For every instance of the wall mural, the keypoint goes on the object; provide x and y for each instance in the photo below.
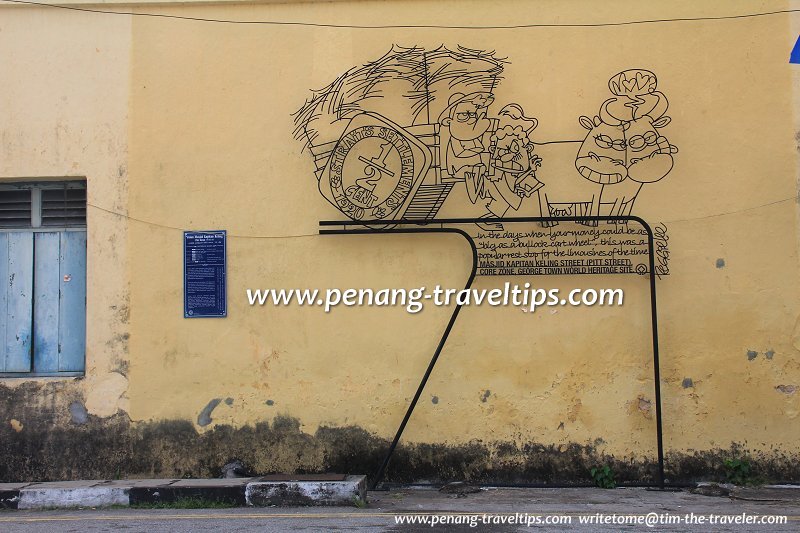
(392, 139)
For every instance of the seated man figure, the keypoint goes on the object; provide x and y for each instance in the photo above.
(466, 156)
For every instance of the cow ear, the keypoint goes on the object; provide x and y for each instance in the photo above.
(586, 122)
(663, 121)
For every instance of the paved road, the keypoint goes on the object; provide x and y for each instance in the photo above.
(500, 504)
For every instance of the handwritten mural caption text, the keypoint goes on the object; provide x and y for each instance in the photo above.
(604, 249)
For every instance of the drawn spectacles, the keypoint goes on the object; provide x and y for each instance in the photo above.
(638, 142)
(635, 143)
(464, 116)
(604, 141)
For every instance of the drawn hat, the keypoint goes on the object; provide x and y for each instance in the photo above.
(484, 99)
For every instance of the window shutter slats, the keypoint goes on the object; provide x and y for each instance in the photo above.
(15, 208)
(64, 207)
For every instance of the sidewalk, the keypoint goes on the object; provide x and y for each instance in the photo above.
(326, 490)
(385, 511)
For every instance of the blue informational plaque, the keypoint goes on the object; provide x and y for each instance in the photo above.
(204, 274)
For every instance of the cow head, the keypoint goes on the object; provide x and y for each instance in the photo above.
(601, 158)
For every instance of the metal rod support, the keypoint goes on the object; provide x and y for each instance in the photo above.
(430, 226)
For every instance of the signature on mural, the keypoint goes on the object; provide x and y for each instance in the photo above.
(661, 242)
(391, 139)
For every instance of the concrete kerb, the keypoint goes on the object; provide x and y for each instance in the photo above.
(44, 498)
(350, 491)
(234, 491)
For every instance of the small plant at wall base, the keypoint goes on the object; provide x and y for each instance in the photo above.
(358, 502)
(739, 472)
(603, 477)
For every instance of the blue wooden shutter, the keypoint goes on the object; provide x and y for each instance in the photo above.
(60, 302)
(72, 302)
(45, 309)
(16, 301)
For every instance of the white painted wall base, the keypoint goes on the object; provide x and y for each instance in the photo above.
(298, 493)
(72, 497)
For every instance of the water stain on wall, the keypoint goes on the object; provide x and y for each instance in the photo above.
(64, 441)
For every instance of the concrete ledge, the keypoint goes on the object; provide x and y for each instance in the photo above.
(304, 493)
(39, 498)
(285, 491)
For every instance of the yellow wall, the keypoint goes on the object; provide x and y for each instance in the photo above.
(187, 125)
